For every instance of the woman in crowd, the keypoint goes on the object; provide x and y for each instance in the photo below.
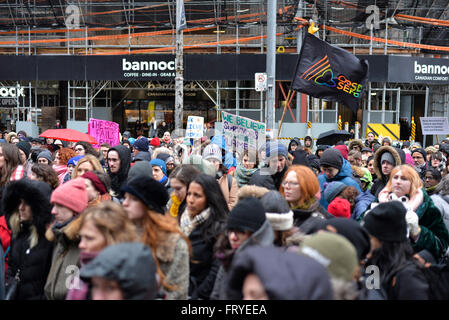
(245, 169)
(98, 227)
(45, 173)
(227, 182)
(97, 186)
(180, 179)
(87, 163)
(62, 156)
(300, 187)
(370, 166)
(427, 229)
(26, 205)
(63, 233)
(202, 221)
(400, 277)
(145, 202)
(437, 161)
(84, 148)
(45, 157)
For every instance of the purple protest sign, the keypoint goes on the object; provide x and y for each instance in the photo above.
(104, 131)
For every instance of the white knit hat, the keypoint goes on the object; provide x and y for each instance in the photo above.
(212, 151)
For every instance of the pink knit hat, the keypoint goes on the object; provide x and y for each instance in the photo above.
(72, 194)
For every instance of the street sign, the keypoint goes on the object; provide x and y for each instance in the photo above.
(261, 81)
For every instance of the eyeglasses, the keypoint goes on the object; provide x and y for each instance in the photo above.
(290, 184)
(79, 149)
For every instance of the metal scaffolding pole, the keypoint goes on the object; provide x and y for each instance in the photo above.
(179, 80)
(271, 63)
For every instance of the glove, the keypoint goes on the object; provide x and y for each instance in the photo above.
(412, 223)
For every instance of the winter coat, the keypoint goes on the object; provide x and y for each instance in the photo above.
(263, 237)
(143, 156)
(34, 263)
(173, 258)
(204, 271)
(119, 178)
(442, 203)
(5, 237)
(230, 194)
(409, 283)
(298, 142)
(2, 275)
(271, 182)
(344, 176)
(308, 220)
(66, 255)
(382, 180)
(362, 203)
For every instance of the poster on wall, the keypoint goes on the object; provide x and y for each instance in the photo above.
(434, 125)
(104, 131)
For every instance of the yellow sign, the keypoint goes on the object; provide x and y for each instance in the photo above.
(391, 130)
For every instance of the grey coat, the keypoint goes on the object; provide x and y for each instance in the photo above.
(262, 237)
(173, 256)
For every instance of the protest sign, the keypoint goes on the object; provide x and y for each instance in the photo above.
(104, 132)
(242, 133)
(434, 125)
(194, 129)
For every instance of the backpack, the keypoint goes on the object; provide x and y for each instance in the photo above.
(437, 276)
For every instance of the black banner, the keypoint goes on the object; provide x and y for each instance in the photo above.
(329, 72)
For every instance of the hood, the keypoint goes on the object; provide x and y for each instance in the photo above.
(311, 139)
(298, 142)
(387, 138)
(343, 150)
(378, 156)
(346, 170)
(251, 191)
(356, 142)
(143, 156)
(117, 179)
(36, 194)
(285, 275)
(130, 264)
(263, 237)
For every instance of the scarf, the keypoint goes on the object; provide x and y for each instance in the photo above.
(163, 180)
(61, 170)
(188, 223)
(243, 174)
(100, 198)
(310, 204)
(176, 203)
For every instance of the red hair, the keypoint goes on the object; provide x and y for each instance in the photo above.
(308, 183)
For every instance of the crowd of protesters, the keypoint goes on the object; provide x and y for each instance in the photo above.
(176, 218)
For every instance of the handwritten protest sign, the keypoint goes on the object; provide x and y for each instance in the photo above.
(434, 125)
(104, 131)
(242, 133)
(194, 129)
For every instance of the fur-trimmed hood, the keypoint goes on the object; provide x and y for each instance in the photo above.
(378, 156)
(36, 194)
(251, 191)
(356, 142)
(66, 234)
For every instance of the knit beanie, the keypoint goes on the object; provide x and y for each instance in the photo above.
(159, 163)
(420, 150)
(388, 157)
(387, 221)
(149, 191)
(74, 161)
(141, 144)
(212, 151)
(72, 194)
(46, 155)
(334, 252)
(333, 189)
(331, 158)
(340, 207)
(155, 142)
(300, 157)
(275, 148)
(140, 168)
(165, 157)
(247, 215)
(25, 147)
(277, 211)
(314, 162)
(95, 181)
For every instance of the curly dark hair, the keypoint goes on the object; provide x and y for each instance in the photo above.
(47, 174)
(87, 147)
(349, 193)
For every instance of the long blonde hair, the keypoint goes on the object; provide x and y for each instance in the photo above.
(14, 222)
(87, 158)
(410, 174)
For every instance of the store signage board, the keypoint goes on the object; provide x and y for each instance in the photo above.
(434, 125)
(104, 132)
(260, 81)
(194, 129)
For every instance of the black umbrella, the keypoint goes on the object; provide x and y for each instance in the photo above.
(331, 137)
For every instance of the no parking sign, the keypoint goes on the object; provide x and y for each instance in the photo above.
(261, 81)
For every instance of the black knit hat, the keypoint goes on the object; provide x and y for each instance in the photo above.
(420, 150)
(152, 193)
(25, 146)
(387, 222)
(331, 158)
(247, 215)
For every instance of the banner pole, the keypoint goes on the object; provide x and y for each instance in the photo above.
(283, 112)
